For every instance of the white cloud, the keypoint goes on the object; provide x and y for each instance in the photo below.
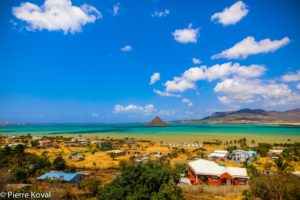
(116, 9)
(233, 69)
(238, 90)
(298, 86)
(187, 35)
(55, 15)
(145, 110)
(218, 71)
(187, 102)
(160, 14)
(165, 94)
(154, 78)
(196, 61)
(127, 48)
(231, 15)
(249, 46)
(291, 77)
(179, 85)
(95, 115)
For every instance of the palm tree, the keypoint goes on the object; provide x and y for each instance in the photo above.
(113, 155)
(282, 165)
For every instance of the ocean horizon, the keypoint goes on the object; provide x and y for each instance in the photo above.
(139, 129)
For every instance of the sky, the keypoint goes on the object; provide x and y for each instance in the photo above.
(128, 61)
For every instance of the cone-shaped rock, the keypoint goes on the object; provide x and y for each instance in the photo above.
(157, 122)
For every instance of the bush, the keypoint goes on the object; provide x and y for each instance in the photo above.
(59, 163)
(181, 168)
(91, 184)
(277, 186)
(123, 164)
(263, 149)
(19, 175)
(151, 180)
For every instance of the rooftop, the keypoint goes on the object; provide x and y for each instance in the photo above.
(206, 167)
(58, 176)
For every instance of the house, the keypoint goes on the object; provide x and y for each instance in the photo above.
(79, 141)
(218, 155)
(45, 143)
(240, 156)
(13, 145)
(207, 172)
(117, 152)
(62, 176)
(275, 152)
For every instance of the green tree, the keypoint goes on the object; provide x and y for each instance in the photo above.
(277, 187)
(181, 168)
(282, 165)
(123, 164)
(91, 185)
(151, 180)
(34, 143)
(19, 149)
(267, 165)
(263, 149)
(19, 175)
(168, 192)
(59, 163)
(252, 170)
(113, 155)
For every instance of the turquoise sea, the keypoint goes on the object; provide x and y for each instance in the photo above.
(140, 129)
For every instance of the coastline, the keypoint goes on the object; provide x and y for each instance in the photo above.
(192, 138)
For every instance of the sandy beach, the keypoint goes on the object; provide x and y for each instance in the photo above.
(200, 138)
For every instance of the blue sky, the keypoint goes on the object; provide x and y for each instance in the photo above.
(92, 61)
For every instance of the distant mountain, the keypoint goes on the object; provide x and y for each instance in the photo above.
(247, 115)
(157, 121)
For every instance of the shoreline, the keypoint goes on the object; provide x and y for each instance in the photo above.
(7, 124)
(191, 138)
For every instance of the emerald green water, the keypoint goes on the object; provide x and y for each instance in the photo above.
(141, 129)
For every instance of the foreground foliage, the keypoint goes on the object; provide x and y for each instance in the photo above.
(276, 186)
(152, 180)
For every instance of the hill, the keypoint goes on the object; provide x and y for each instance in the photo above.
(255, 116)
(157, 121)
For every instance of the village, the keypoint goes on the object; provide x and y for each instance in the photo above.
(210, 168)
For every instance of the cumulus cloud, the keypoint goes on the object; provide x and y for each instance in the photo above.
(239, 90)
(187, 102)
(231, 15)
(127, 48)
(154, 78)
(298, 86)
(179, 84)
(219, 71)
(56, 15)
(165, 94)
(145, 110)
(187, 35)
(291, 77)
(116, 9)
(196, 61)
(160, 14)
(249, 46)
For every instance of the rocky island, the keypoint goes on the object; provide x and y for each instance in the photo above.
(157, 121)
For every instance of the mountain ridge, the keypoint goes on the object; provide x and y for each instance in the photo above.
(247, 115)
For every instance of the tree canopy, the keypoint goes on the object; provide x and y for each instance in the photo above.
(151, 180)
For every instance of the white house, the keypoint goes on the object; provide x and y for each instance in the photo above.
(208, 172)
